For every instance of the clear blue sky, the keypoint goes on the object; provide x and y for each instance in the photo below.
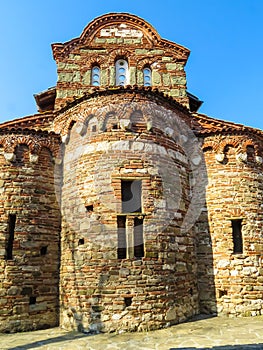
(225, 68)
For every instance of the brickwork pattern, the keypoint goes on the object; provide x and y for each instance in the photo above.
(234, 192)
(108, 156)
(29, 279)
(63, 257)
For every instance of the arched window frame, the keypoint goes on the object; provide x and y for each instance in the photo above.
(95, 75)
(121, 72)
(147, 76)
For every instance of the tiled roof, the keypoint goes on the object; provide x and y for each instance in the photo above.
(213, 126)
(35, 121)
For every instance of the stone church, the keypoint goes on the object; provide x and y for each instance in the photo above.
(122, 207)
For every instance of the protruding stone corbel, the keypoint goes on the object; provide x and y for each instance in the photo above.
(33, 158)
(241, 157)
(102, 126)
(65, 138)
(169, 131)
(125, 124)
(149, 125)
(9, 157)
(57, 160)
(259, 159)
(220, 157)
(81, 128)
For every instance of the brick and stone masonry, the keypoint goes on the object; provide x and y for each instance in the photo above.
(123, 208)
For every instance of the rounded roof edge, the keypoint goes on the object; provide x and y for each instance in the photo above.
(101, 21)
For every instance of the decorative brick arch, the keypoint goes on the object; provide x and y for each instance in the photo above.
(53, 147)
(94, 60)
(34, 142)
(250, 143)
(119, 53)
(227, 142)
(208, 145)
(146, 62)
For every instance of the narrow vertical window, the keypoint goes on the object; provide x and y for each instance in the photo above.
(131, 192)
(122, 72)
(122, 243)
(95, 76)
(237, 236)
(147, 77)
(10, 238)
(138, 238)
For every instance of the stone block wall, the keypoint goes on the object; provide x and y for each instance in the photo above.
(99, 290)
(234, 197)
(29, 238)
(115, 229)
(104, 44)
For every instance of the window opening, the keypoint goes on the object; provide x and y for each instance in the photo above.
(128, 301)
(43, 250)
(81, 241)
(95, 76)
(131, 193)
(147, 77)
(222, 293)
(237, 236)
(122, 243)
(89, 208)
(32, 300)
(138, 238)
(121, 71)
(11, 234)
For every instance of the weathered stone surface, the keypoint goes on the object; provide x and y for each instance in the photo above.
(68, 243)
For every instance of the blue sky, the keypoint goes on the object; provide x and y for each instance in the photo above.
(225, 68)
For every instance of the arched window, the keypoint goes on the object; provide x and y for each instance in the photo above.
(147, 77)
(95, 76)
(122, 72)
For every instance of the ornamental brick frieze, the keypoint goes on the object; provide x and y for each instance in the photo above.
(118, 53)
(241, 146)
(98, 115)
(155, 213)
(35, 144)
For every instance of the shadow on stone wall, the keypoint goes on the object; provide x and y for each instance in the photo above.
(205, 270)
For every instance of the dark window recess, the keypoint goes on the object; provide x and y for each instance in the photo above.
(43, 250)
(131, 193)
(11, 234)
(237, 235)
(128, 301)
(138, 238)
(94, 128)
(89, 208)
(81, 241)
(32, 300)
(114, 126)
(122, 244)
(222, 293)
